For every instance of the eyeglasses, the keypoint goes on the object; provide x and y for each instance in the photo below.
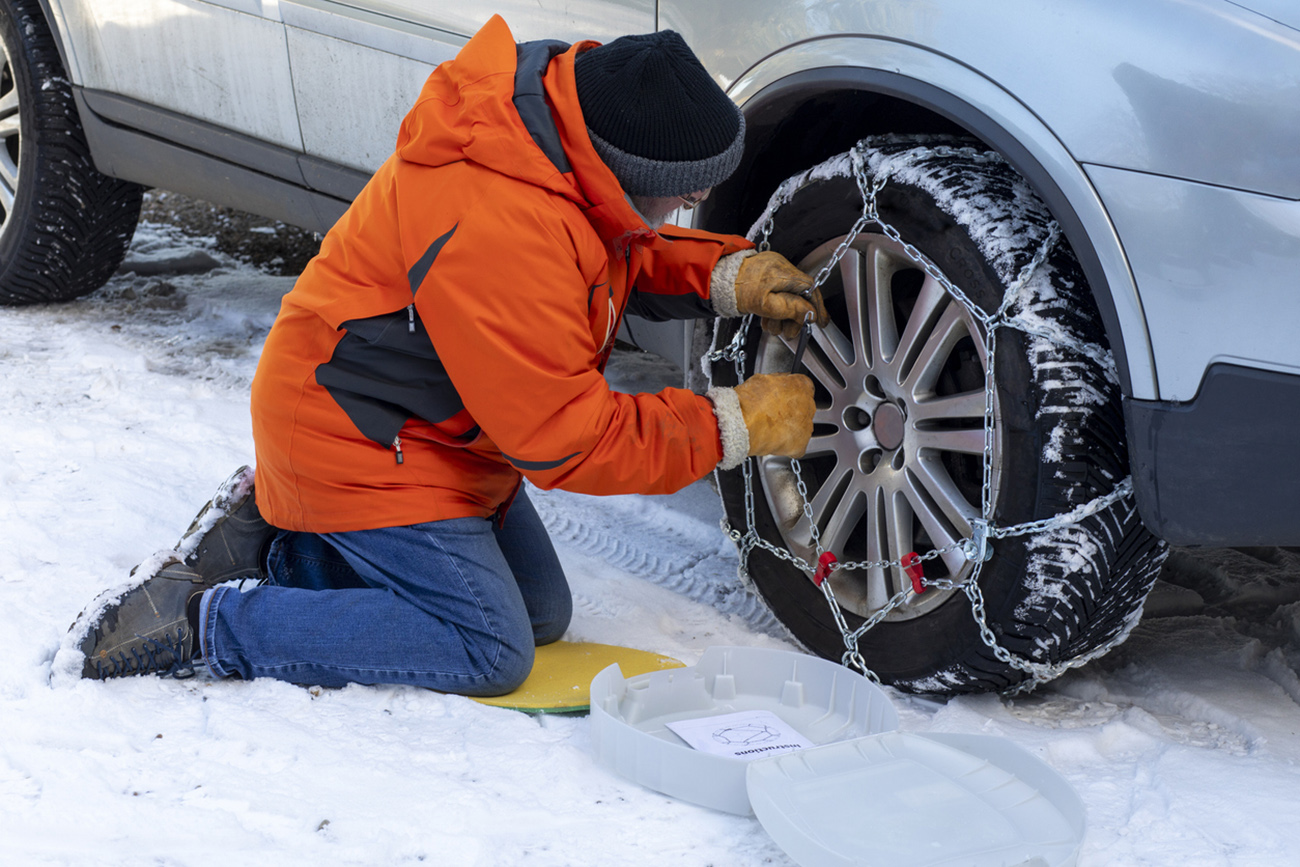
(690, 200)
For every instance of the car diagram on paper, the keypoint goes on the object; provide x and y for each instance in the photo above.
(744, 735)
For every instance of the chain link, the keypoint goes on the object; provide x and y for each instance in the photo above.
(976, 548)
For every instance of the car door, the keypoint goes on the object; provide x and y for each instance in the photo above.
(222, 61)
(359, 65)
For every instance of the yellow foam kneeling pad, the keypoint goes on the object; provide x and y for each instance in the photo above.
(560, 681)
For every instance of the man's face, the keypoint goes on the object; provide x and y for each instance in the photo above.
(657, 209)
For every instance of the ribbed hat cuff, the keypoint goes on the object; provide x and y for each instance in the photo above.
(640, 176)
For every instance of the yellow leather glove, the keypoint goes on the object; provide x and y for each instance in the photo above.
(778, 411)
(768, 285)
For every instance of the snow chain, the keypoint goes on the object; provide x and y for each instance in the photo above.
(977, 549)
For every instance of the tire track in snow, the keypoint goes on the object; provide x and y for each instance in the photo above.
(1190, 718)
(1277, 669)
(651, 541)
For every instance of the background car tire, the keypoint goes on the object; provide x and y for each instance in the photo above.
(1051, 596)
(65, 227)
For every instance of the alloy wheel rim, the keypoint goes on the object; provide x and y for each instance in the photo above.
(898, 443)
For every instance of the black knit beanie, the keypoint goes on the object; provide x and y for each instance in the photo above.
(656, 118)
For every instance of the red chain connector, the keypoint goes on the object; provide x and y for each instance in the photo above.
(912, 566)
(826, 563)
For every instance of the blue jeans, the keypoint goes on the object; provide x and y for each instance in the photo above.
(455, 605)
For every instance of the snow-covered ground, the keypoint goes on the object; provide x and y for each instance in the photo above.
(124, 411)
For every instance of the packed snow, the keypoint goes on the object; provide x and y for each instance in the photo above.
(125, 410)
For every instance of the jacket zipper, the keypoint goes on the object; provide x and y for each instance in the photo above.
(613, 311)
(397, 446)
(612, 314)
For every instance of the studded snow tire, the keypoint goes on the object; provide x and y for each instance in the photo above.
(900, 350)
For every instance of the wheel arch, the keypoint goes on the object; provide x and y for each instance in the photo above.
(51, 11)
(818, 98)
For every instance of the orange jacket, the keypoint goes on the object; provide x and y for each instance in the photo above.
(452, 332)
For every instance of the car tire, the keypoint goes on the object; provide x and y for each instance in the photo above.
(896, 461)
(64, 227)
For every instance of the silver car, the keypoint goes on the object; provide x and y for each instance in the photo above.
(1059, 242)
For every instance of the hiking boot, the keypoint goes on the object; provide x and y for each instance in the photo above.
(147, 631)
(228, 539)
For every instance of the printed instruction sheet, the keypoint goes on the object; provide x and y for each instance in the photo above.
(749, 734)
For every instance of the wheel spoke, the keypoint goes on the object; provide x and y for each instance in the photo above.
(829, 498)
(966, 442)
(880, 581)
(936, 526)
(930, 360)
(825, 444)
(851, 273)
(10, 126)
(879, 302)
(898, 519)
(932, 299)
(945, 494)
(8, 181)
(927, 512)
(844, 520)
(839, 442)
(8, 169)
(967, 406)
(825, 369)
(955, 560)
(827, 415)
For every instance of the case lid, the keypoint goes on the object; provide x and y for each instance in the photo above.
(908, 800)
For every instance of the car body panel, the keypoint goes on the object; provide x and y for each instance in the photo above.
(1284, 12)
(358, 66)
(190, 57)
(364, 30)
(345, 118)
(1218, 270)
(570, 20)
(1130, 84)
(268, 9)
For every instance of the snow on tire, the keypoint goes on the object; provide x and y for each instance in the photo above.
(64, 227)
(897, 458)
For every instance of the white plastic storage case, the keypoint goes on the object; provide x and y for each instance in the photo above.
(864, 794)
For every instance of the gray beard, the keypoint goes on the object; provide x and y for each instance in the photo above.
(651, 209)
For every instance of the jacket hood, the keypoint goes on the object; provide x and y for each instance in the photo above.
(514, 109)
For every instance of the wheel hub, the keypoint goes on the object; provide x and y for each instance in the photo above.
(888, 426)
